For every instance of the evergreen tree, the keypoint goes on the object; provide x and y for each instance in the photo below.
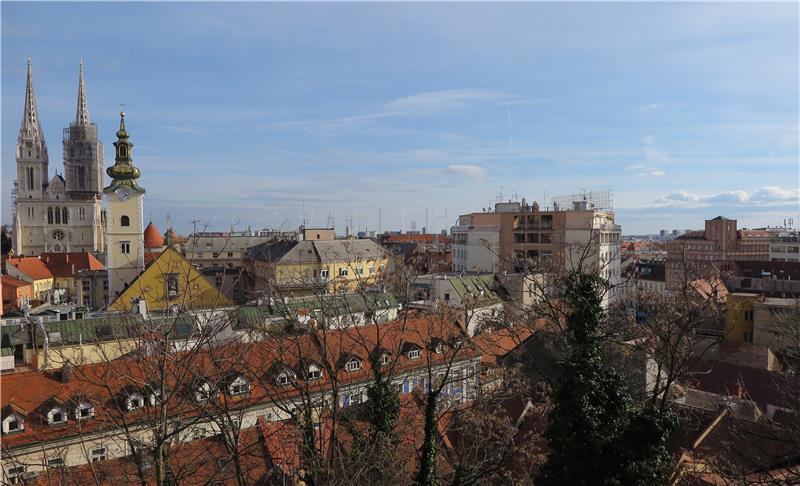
(5, 241)
(596, 434)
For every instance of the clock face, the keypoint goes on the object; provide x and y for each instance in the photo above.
(122, 195)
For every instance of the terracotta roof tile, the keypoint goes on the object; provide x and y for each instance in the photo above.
(33, 267)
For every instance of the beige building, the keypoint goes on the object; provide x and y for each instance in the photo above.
(518, 237)
(309, 267)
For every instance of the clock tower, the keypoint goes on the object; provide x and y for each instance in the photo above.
(125, 230)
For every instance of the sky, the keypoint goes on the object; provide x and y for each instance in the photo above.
(402, 115)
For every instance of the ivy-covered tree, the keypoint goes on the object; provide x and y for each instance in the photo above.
(596, 433)
(5, 241)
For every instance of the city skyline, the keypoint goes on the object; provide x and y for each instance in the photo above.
(328, 109)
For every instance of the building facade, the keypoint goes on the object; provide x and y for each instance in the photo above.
(719, 242)
(62, 213)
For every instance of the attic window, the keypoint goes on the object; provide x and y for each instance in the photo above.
(414, 353)
(384, 360)
(438, 347)
(240, 386)
(283, 379)
(14, 424)
(314, 373)
(135, 401)
(84, 411)
(57, 416)
(353, 365)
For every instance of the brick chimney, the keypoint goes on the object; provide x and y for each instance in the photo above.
(66, 372)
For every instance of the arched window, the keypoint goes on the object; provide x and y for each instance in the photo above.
(124, 221)
(123, 151)
(58, 216)
(49, 215)
(64, 215)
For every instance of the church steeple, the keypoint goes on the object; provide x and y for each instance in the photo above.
(30, 129)
(123, 173)
(82, 114)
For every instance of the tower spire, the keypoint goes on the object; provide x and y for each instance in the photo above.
(30, 129)
(82, 114)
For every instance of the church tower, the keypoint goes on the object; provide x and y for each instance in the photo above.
(58, 214)
(32, 169)
(125, 230)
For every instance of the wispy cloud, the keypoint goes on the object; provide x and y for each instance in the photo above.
(644, 171)
(187, 130)
(471, 171)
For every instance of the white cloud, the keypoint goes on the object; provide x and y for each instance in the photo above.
(764, 196)
(437, 101)
(640, 170)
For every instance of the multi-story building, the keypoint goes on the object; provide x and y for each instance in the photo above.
(310, 267)
(519, 237)
(63, 213)
(719, 242)
(785, 248)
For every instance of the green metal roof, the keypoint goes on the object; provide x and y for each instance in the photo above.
(109, 328)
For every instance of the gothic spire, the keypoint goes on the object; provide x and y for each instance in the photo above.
(30, 129)
(82, 115)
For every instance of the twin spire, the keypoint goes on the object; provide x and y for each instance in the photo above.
(31, 129)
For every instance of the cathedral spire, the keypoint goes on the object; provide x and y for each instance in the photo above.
(82, 115)
(30, 129)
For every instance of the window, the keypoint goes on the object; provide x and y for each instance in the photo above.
(172, 284)
(98, 454)
(323, 273)
(353, 365)
(56, 461)
(372, 270)
(64, 217)
(125, 247)
(14, 474)
(215, 255)
(283, 379)
(230, 254)
(135, 402)
(438, 348)
(342, 272)
(360, 271)
(49, 215)
(58, 216)
(314, 373)
(84, 411)
(57, 416)
(414, 353)
(14, 425)
(124, 221)
(30, 175)
(446, 296)
(384, 359)
(240, 386)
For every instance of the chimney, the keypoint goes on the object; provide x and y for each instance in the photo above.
(66, 372)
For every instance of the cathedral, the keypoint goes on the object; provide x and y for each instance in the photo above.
(63, 213)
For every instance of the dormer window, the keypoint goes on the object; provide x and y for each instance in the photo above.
(203, 391)
(438, 347)
(239, 386)
(353, 365)
(282, 379)
(13, 423)
(414, 353)
(135, 401)
(384, 359)
(314, 372)
(57, 416)
(84, 411)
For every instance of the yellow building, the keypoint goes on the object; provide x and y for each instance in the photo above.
(300, 268)
(170, 282)
(739, 317)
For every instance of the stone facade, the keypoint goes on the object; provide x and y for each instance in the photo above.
(62, 213)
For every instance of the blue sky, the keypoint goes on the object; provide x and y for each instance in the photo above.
(256, 113)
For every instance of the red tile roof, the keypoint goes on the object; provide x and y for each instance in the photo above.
(33, 267)
(104, 383)
(67, 264)
(13, 282)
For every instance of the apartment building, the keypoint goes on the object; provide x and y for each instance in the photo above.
(518, 237)
(785, 248)
(720, 241)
